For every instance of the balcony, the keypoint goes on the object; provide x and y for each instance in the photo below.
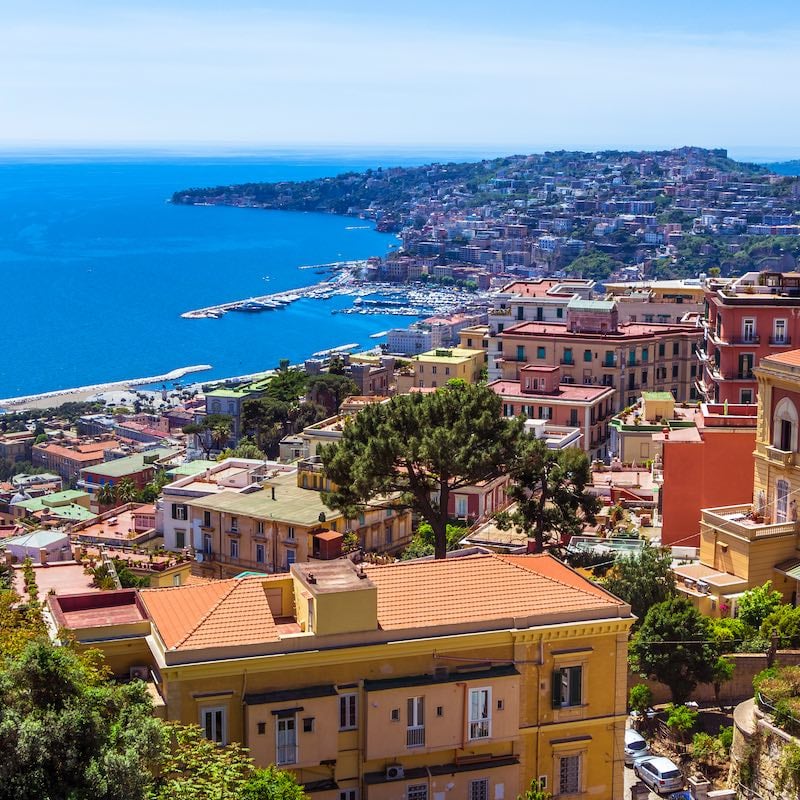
(741, 521)
(780, 341)
(286, 754)
(700, 353)
(313, 464)
(415, 736)
(743, 340)
(610, 363)
(567, 362)
(780, 458)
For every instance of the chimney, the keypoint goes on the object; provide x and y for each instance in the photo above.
(273, 492)
(43, 556)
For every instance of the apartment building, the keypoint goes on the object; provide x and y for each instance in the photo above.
(541, 394)
(746, 320)
(657, 301)
(16, 446)
(755, 540)
(230, 475)
(68, 459)
(138, 468)
(594, 348)
(466, 677)
(270, 527)
(436, 367)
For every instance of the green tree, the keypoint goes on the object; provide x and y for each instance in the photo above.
(783, 623)
(422, 542)
(417, 449)
(535, 792)
(642, 579)
(106, 496)
(125, 491)
(271, 784)
(329, 390)
(675, 645)
(287, 386)
(212, 431)
(549, 488)
(640, 698)
(722, 672)
(680, 720)
(264, 421)
(247, 448)
(756, 604)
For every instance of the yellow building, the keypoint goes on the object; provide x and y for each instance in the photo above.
(270, 529)
(744, 545)
(436, 367)
(462, 678)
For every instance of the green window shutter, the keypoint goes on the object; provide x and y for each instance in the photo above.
(557, 678)
(575, 681)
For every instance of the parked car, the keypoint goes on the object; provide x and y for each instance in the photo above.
(635, 747)
(659, 773)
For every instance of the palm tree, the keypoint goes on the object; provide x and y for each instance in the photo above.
(105, 495)
(220, 433)
(126, 491)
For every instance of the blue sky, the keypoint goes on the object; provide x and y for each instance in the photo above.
(493, 76)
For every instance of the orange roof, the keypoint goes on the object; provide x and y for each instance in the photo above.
(217, 614)
(792, 358)
(481, 588)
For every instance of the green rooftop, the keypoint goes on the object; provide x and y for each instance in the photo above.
(59, 504)
(120, 467)
(191, 468)
(292, 504)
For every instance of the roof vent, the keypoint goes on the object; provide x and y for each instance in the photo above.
(311, 578)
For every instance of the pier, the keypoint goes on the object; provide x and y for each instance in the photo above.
(264, 302)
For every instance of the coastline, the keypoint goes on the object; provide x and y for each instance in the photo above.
(60, 396)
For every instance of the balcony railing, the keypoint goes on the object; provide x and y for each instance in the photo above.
(610, 362)
(783, 458)
(739, 521)
(742, 340)
(479, 729)
(286, 754)
(780, 341)
(568, 362)
(415, 736)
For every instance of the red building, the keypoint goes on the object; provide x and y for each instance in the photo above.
(540, 394)
(749, 319)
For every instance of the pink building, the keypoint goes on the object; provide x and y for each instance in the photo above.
(540, 394)
(751, 318)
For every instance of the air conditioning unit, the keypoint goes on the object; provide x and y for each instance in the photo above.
(141, 673)
(394, 772)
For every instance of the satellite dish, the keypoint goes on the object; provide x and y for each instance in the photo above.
(198, 557)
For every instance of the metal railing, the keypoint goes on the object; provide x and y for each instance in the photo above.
(415, 736)
(286, 754)
(479, 729)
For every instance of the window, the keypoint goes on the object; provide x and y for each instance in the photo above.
(608, 361)
(348, 794)
(308, 724)
(748, 330)
(234, 548)
(784, 426)
(260, 554)
(207, 544)
(632, 357)
(587, 355)
(176, 580)
(745, 396)
(661, 349)
(206, 519)
(520, 352)
(573, 418)
(395, 715)
(235, 524)
(779, 335)
(291, 557)
(290, 532)
(415, 727)
(179, 511)
(540, 352)
(447, 370)
(461, 506)
(480, 715)
(433, 370)
(417, 791)
(645, 355)
(567, 685)
(559, 313)
(569, 775)
(782, 499)
(520, 312)
(348, 705)
(286, 740)
(676, 348)
(214, 722)
(644, 377)
(674, 370)
(260, 527)
(180, 539)
(478, 789)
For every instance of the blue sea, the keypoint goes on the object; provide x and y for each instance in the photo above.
(97, 268)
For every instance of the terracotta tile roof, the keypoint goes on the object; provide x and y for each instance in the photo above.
(481, 588)
(218, 614)
(792, 357)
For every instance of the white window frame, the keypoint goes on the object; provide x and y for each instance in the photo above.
(462, 505)
(235, 524)
(294, 755)
(748, 323)
(348, 711)
(415, 723)
(479, 723)
(290, 532)
(782, 492)
(219, 736)
(234, 548)
(782, 338)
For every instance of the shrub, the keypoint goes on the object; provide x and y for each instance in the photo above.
(640, 697)
(725, 739)
(705, 748)
(680, 720)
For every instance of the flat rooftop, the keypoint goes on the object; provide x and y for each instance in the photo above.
(632, 330)
(567, 392)
(60, 577)
(97, 610)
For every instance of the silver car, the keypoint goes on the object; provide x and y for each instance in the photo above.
(635, 747)
(659, 773)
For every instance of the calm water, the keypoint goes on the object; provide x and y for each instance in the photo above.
(96, 269)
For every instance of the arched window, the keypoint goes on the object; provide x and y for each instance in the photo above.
(781, 500)
(784, 426)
